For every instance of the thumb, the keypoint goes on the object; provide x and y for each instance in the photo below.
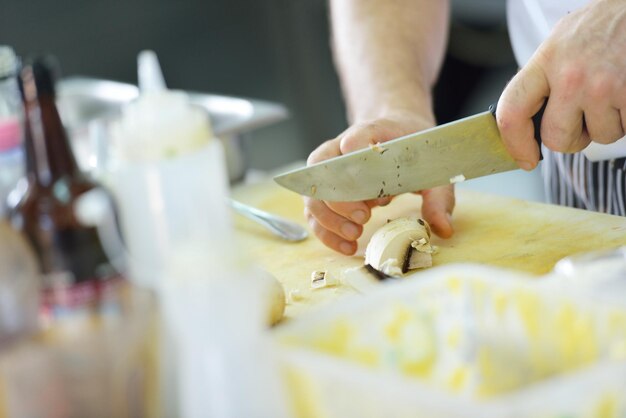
(437, 207)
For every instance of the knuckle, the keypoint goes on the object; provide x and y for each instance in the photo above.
(619, 97)
(352, 142)
(314, 211)
(370, 126)
(359, 136)
(556, 136)
(324, 235)
(553, 135)
(601, 88)
(553, 142)
(505, 117)
(322, 152)
(572, 78)
(314, 157)
(339, 207)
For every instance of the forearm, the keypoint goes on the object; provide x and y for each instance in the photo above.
(388, 54)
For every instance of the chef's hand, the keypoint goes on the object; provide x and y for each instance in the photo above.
(581, 67)
(339, 224)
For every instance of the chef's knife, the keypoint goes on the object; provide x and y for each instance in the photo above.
(459, 150)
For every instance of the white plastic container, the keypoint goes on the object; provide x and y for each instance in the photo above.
(459, 341)
(169, 206)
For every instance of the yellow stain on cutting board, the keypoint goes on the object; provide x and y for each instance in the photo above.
(493, 230)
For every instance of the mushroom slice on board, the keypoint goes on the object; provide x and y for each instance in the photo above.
(400, 245)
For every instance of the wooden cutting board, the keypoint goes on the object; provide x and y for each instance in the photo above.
(493, 230)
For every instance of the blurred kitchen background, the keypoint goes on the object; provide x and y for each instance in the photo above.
(276, 50)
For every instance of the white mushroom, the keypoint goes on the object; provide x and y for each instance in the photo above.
(399, 246)
(321, 279)
(295, 295)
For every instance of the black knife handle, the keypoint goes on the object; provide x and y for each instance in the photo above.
(536, 122)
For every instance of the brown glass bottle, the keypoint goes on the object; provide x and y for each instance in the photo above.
(74, 265)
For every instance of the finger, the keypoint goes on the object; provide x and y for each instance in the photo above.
(332, 240)
(437, 207)
(622, 113)
(603, 98)
(358, 212)
(383, 201)
(563, 126)
(362, 135)
(604, 125)
(332, 221)
(522, 98)
(325, 151)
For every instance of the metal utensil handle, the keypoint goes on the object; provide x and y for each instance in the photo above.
(281, 227)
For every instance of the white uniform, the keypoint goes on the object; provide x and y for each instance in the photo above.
(570, 179)
(531, 21)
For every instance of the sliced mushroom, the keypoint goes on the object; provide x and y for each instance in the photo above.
(321, 279)
(399, 246)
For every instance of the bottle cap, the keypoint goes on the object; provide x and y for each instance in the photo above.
(8, 62)
(161, 123)
(39, 73)
(149, 74)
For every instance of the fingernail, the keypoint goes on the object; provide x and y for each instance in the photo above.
(359, 216)
(525, 165)
(349, 230)
(346, 248)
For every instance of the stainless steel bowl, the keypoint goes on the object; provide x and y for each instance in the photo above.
(82, 101)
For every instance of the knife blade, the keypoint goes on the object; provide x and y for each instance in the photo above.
(460, 150)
